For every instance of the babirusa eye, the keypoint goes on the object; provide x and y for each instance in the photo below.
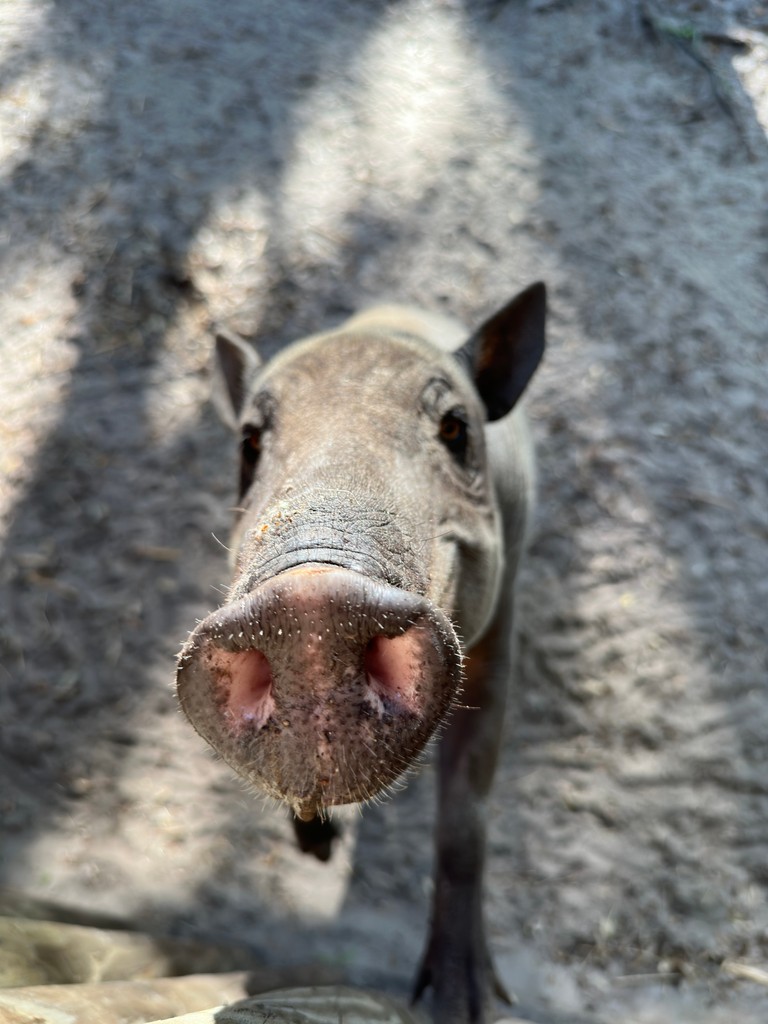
(250, 448)
(454, 433)
(250, 453)
(251, 445)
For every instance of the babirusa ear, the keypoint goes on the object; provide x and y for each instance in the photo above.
(503, 354)
(234, 367)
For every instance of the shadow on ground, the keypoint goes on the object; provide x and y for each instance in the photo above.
(645, 571)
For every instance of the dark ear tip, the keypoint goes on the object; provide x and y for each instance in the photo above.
(536, 291)
(225, 338)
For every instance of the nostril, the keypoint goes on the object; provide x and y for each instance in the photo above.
(391, 666)
(320, 686)
(246, 684)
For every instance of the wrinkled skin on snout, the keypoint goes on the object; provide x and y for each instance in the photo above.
(379, 526)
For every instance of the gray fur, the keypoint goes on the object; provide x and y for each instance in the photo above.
(381, 525)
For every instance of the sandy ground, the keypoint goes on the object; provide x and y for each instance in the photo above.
(272, 166)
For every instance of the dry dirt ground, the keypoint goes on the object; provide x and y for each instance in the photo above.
(272, 166)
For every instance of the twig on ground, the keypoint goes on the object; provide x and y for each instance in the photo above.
(701, 44)
(746, 972)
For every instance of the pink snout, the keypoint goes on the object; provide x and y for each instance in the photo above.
(321, 686)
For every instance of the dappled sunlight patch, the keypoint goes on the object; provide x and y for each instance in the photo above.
(50, 96)
(420, 80)
(384, 128)
(229, 246)
(752, 69)
(42, 358)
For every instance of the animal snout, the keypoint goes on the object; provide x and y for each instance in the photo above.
(322, 662)
(311, 634)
